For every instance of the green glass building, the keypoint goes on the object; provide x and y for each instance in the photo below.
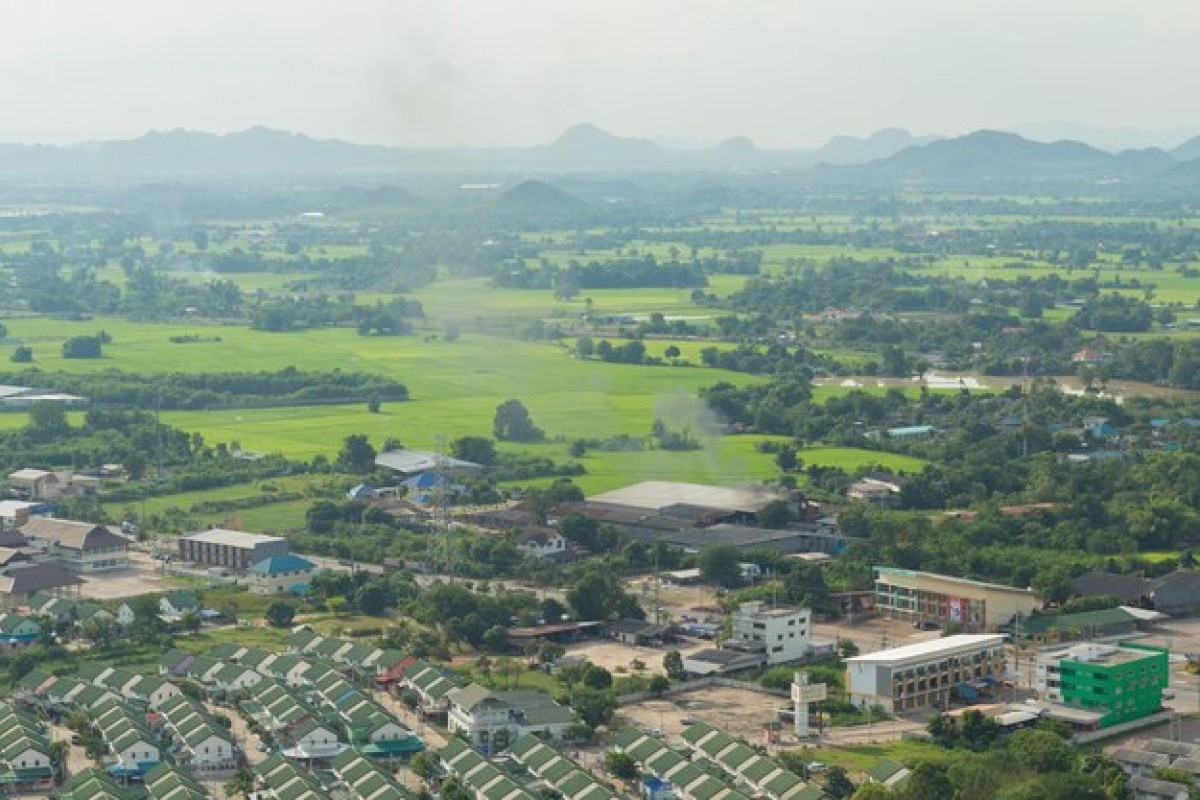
(1120, 682)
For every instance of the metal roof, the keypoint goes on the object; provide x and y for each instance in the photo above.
(232, 538)
(655, 495)
(946, 645)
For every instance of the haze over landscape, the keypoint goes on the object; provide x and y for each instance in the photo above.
(472, 72)
(599, 400)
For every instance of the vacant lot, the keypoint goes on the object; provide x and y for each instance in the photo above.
(739, 712)
(619, 658)
(143, 577)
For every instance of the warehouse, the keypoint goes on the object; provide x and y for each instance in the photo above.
(924, 674)
(236, 550)
(973, 605)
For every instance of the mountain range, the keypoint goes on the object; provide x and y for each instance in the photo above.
(891, 155)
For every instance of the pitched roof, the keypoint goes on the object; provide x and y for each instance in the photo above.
(73, 535)
(278, 565)
(38, 577)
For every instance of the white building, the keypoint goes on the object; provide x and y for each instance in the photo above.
(784, 634)
(491, 721)
(542, 544)
(923, 674)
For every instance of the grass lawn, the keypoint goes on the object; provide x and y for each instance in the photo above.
(266, 638)
(860, 758)
(279, 516)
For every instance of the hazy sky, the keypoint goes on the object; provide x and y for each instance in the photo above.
(784, 72)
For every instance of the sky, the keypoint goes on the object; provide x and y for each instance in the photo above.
(786, 73)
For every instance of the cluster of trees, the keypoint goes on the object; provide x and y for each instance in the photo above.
(616, 273)
(85, 346)
(512, 423)
(205, 390)
(981, 762)
(321, 311)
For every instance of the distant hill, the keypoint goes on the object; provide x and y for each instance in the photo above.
(1189, 150)
(881, 144)
(252, 150)
(888, 155)
(537, 197)
(999, 156)
(586, 142)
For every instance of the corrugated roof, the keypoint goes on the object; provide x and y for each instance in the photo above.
(232, 538)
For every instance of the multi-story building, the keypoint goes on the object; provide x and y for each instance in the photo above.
(281, 573)
(1121, 682)
(973, 605)
(783, 634)
(77, 546)
(491, 721)
(235, 550)
(923, 674)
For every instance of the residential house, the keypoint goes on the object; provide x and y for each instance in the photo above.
(366, 779)
(204, 747)
(543, 544)
(173, 606)
(483, 779)
(1177, 593)
(431, 687)
(741, 762)
(276, 708)
(290, 669)
(24, 751)
(17, 630)
(562, 774)
(691, 782)
(301, 639)
(129, 742)
(78, 546)
(35, 484)
(92, 784)
(19, 583)
(281, 779)
(15, 513)
(63, 609)
(1142, 788)
(491, 721)
(876, 492)
(374, 730)
(279, 574)
(168, 782)
(312, 739)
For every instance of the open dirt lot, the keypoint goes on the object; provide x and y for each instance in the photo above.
(739, 712)
(142, 577)
(618, 657)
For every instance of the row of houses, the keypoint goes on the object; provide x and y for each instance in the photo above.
(689, 781)
(762, 775)
(25, 762)
(134, 750)
(198, 742)
(558, 772)
(303, 700)
(349, 776)
(1143, 759)
(479, 776)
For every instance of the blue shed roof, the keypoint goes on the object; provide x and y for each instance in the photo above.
(277, 565)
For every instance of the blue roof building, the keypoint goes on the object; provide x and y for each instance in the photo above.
(278, 574)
